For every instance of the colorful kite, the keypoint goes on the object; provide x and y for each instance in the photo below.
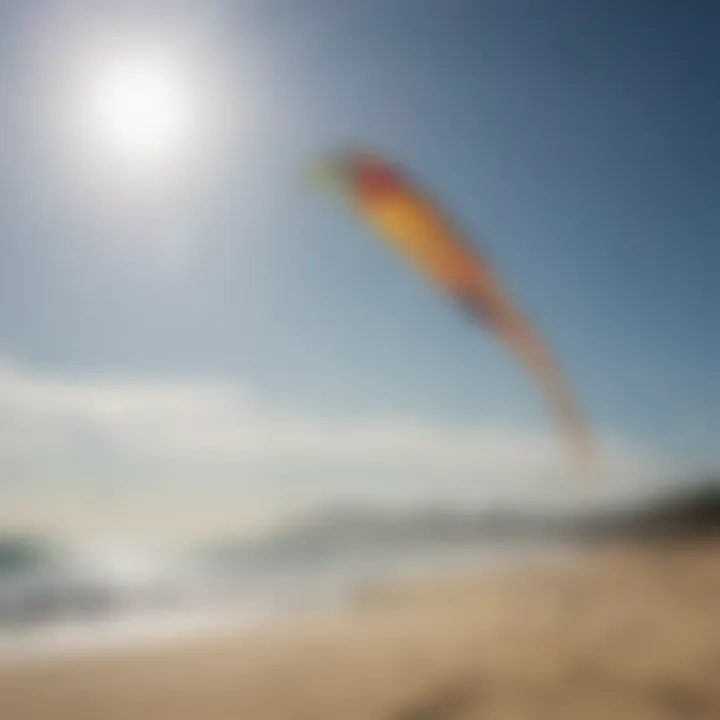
(416, 227)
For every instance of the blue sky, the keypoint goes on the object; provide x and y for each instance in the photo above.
(577, 142)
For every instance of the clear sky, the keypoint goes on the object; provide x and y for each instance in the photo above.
(577, 142)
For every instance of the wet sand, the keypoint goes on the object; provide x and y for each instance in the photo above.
(619, 633)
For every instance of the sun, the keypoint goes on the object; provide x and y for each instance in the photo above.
(140, 109)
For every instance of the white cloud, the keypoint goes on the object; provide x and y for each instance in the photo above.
(164, 442)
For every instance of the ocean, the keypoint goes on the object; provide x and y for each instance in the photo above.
(61, 599)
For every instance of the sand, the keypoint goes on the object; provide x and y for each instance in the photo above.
(619, 633)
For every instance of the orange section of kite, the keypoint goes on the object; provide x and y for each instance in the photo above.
(416, 227)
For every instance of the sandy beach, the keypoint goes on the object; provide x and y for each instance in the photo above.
(618, 633)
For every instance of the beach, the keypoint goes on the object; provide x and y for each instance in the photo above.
(621, 632)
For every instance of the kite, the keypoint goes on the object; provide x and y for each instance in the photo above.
(418, 229)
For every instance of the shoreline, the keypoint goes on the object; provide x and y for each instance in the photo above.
(58, 640)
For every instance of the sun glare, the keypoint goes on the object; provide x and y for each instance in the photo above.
(139, 109)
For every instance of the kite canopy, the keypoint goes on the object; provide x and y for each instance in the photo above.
(418, 229)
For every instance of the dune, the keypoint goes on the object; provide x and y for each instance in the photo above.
(620, 632)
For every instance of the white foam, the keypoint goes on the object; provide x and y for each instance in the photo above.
(72, 639)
